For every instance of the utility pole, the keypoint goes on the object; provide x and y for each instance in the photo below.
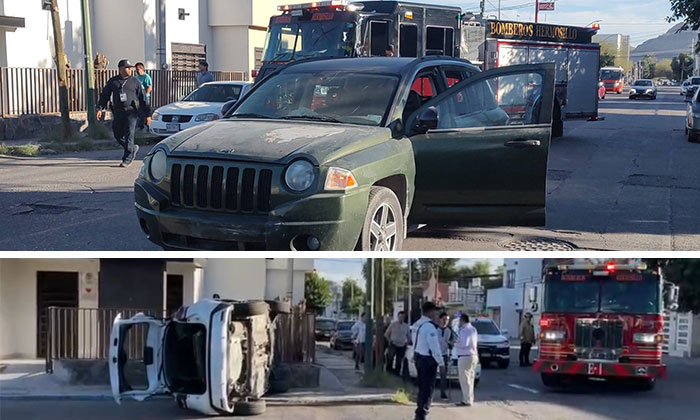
(89, 67)
(61, 64)
(537, 10)
(482, 7)
(499, 9)
(410, 291)
(368, 314)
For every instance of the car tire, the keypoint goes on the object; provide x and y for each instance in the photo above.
(503, 364)
(253, 308)
(278, 307)
(384, 206)
(249, 408)
(551, 380)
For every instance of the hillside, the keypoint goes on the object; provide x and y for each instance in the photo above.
(668, 45)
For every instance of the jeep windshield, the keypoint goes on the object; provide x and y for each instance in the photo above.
(486, 327)
(608, 295)
(294, 41)
(330, 96)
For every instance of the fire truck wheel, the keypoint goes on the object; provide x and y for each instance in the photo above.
(551, 380)
(557, 123)
(647, 384)
(250, 308)
(249, 408)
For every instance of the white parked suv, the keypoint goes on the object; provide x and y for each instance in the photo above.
(207, 103)
(213, 356)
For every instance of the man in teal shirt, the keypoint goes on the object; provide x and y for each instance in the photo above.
(147, 84)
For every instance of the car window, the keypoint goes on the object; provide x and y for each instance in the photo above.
(513, 99)
(344, 96)
(486, 327)
(215, 93)
(455, 75)
(643, 83)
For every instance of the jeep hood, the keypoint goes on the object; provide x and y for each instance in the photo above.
(274, 140)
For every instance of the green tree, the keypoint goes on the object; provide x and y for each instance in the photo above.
(663, 69)
(686, 10)
(685, 272)
(647, 66)
(608, 54)
(353, 297)
(317, 292)
(682, 66)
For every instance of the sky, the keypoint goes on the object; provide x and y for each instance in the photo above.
(338, 269)
(641, 19)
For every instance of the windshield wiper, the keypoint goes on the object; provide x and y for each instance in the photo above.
(324, 118)
(250, 115)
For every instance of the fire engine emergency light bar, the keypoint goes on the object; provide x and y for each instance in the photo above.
(603, 269)
(312, 5)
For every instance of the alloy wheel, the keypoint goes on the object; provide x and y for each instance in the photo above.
(383, 229)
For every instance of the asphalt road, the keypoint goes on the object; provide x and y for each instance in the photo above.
(511, 394)
(630, 182)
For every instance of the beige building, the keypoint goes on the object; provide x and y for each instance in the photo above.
(29, 286)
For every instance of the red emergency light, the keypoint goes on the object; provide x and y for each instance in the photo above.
(611, 266)
(596, 26)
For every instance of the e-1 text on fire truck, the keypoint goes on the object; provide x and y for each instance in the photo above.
(341, 28)
(601, 321)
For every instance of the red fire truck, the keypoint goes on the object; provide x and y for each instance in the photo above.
(602, 322)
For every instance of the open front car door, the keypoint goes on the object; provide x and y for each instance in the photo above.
(481, 149)
(135, 357)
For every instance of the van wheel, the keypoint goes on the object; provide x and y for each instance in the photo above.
(249, 408)
(383, 228)
(253, 308)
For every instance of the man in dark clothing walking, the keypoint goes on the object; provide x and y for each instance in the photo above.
(128, 102)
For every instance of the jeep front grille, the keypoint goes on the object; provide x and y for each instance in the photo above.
(221, 187)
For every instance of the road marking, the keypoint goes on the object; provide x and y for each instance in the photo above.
(524, 388)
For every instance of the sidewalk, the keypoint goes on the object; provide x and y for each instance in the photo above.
(339, 383)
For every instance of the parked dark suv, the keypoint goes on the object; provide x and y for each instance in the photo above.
(341, 154)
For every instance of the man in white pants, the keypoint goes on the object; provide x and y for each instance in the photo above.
(467, 360)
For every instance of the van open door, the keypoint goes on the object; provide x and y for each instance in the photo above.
(135, 357)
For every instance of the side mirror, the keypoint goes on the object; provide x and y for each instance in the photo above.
(227, 107)
(532, 295)
(427, 120)
(671, 294)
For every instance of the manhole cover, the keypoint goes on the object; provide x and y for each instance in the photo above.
(538, 244)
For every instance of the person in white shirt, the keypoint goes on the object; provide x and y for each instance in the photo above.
(359, 331)
(467, 359)
(427, 357)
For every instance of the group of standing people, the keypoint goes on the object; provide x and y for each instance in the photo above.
(130, 95)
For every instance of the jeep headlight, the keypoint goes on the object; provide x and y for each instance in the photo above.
(158, 165)
(300, 175)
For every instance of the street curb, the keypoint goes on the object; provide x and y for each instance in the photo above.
(272, 401)
(331, 401)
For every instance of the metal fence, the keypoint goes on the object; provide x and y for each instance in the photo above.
(84, 333)
(35, 90)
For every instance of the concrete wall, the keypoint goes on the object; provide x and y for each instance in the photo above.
(229, 48)
(509, 301)
(18, 310)
(527, 270)
(119, 30)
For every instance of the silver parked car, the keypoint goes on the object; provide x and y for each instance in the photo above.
(643, 88)
(692, 121)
